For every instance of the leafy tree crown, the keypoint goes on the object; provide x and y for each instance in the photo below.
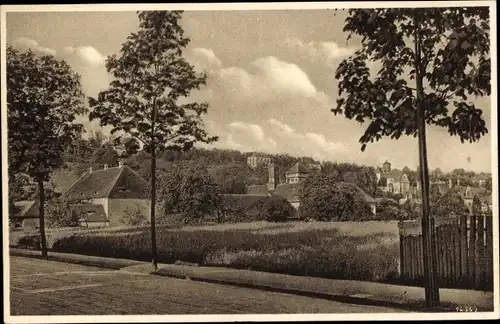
(446, 49)
(150, 79)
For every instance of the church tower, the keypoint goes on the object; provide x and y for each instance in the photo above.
(273, 176)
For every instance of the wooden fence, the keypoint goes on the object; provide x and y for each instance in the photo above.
(464, 253)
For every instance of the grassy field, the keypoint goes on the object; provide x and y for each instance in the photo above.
(347, 250)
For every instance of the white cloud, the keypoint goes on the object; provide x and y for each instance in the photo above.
(86, 56)
(311, 144)
(319, 52)
(24, 44)
(276, 137)
(203, 59)
(265, 79)
(251, 129)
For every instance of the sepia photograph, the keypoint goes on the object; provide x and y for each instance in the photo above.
(249, 162)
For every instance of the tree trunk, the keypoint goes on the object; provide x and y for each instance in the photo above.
(153, 189)
(41, 213)
(153, 210)
(431, 286)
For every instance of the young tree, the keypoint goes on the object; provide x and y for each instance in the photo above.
(43, 98)
(59, 213)
(145, 98)
(445, 54)
(189, 190)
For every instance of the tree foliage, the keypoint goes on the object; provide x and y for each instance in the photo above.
(60, 214)
(324, 199)
(43, 99)
(231, 178)
(451, 203)
(104, 155)
(134, 217)
(447, 48)
(276, 209)
(189, 190)
(150, 78)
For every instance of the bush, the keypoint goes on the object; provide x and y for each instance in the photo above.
(276, 209)
(134, 217)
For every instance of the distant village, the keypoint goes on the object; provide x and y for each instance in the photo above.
(103, 194)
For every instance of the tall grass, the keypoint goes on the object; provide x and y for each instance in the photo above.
(321, 252)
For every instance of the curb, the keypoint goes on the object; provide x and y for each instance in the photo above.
(347, 299)
(304, 293)
(92, 261)
(358, 299)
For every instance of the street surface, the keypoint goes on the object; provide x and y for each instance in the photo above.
(40, 287)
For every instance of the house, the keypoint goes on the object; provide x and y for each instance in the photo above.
(104, 196)
(397, 182)
(254, 160)
(25, 214)
(481, 179)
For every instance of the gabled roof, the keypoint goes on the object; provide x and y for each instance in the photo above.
(395, 174)
(89, 212)
(289, 191)
(298, 168)
(101, 183)
(25, 209)
(258, 190)
(97, 184)
(366, 197)
(246, 201)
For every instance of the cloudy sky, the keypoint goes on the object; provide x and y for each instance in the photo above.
(271, 80)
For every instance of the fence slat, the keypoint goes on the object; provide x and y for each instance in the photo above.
(456, 252)
(489, 253)
(446, 255)
(401, 254)
(464, 253)
(480, 265)
(413, 257)
(463, 248)
(439, 254)
(472, 250)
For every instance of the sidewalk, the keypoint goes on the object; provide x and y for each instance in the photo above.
(350, 291)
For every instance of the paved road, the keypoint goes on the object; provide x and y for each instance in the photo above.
(40, 287)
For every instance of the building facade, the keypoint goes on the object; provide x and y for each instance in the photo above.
(103, 197)
(254, 160)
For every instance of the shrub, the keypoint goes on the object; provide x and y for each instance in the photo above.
(134, 217)
(276, 209)
(58, 213)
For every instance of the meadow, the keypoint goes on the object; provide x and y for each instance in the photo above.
(337, 250)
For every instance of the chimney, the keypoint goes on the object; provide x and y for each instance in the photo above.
(105, 167)
(458, 182)
(450, 184)
(120, 164)
(90, 170)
